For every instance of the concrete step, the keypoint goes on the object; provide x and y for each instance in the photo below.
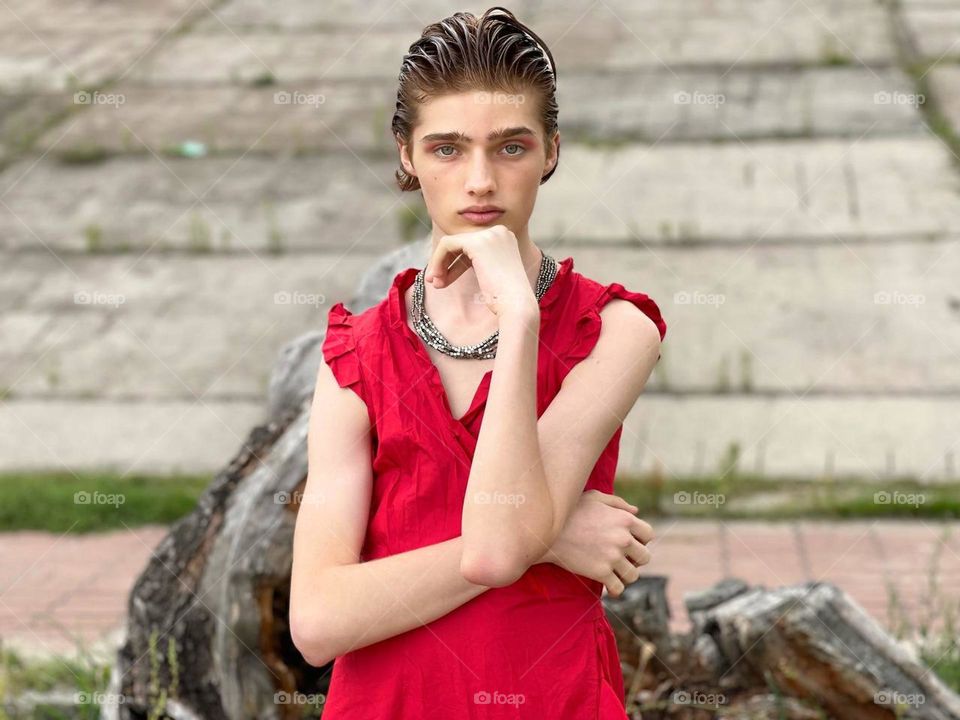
(799, 191)
(148, 437)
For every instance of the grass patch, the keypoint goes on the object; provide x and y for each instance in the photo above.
(83, 153)
(61, 502)
(757, 498)
(265, 79)
(414, 222)
(84, 677)
(937, 647)
(58, 502)
(19, 674)
(944, 660)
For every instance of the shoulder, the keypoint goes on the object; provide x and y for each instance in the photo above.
(625, 321)
(615, 344)
(359, 327)
(347, 345)
(619, 330)
(372, 321)
(622, 310)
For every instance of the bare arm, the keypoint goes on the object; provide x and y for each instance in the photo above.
(562, 448)
(336, 602)
(507, 509)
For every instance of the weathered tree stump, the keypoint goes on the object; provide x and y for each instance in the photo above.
(798, 652)
(215, 594)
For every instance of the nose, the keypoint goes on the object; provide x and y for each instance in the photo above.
(480, 178)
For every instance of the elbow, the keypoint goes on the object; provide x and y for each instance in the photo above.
(499, 559)
(490, 569)
(315, 644)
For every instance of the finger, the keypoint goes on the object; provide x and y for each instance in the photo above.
(448, 262)
(626, 571)
(641, 530)
(617, 502)
(638, 553)
(436, 269)
(613, 584)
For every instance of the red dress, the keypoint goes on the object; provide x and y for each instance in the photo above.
(540, 648)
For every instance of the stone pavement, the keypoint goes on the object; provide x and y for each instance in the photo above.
(56, 590)
(185, 187)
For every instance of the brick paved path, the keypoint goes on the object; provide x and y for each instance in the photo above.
(60, 588)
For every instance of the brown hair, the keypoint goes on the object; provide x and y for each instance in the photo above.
(496, 52)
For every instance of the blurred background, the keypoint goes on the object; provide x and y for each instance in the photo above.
(186, 187)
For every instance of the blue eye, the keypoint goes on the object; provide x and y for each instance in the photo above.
(438, 150)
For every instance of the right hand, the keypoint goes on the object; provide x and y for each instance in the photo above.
(603, 540)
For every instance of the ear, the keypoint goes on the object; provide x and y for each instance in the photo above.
(552, 154)
(405, 160)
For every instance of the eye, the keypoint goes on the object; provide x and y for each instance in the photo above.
(522, 149)
(441, 147)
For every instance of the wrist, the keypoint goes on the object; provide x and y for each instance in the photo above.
(522, 317)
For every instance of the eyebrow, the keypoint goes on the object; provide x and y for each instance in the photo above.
(456, 136)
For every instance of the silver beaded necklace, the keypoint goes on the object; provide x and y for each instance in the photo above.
(486, 349)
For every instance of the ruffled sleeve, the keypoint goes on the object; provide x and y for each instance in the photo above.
(586, 329)
(340, 350)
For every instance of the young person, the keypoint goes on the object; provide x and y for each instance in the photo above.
(458, 525)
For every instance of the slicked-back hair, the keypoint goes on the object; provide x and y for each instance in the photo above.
(462, 53)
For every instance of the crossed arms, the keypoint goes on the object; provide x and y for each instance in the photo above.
(338, 603)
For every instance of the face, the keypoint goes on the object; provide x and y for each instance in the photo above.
(462, 156)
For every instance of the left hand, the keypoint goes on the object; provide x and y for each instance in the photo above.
(603, 540)
(494, 255)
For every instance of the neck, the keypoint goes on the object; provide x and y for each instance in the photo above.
(458, 300)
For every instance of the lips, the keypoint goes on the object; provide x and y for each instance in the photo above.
(482, 217)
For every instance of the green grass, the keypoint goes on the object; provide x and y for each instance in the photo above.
(414, 222)
(938, 647)
(47, 501)
(83, 153)
(944, 660)
(19, 674)
(735, 497)
(80, 675)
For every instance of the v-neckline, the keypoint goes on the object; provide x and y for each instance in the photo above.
(420, 347)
